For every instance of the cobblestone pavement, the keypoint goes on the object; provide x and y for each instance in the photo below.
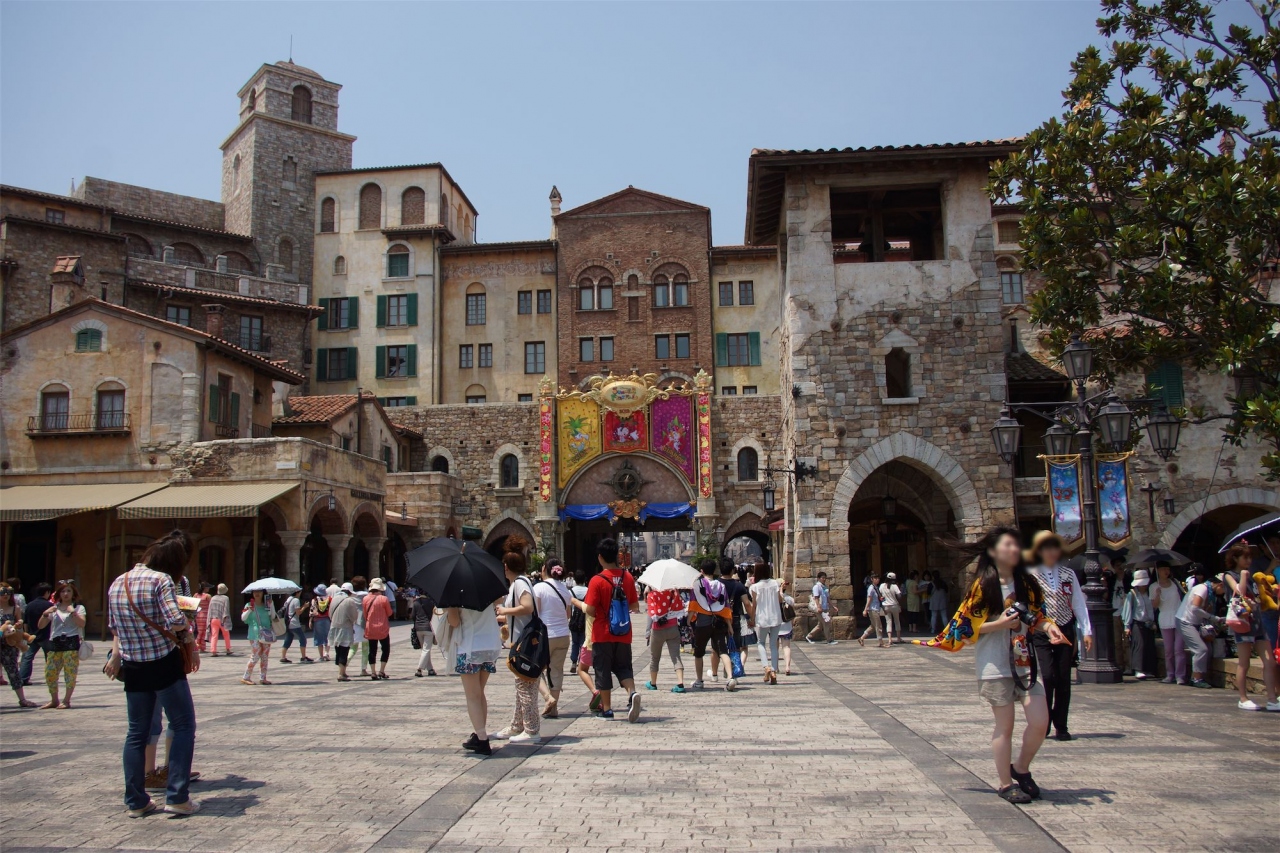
(860, 748)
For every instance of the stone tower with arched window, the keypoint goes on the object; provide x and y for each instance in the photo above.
(288, 131)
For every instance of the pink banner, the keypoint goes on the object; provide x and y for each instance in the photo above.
(704, 444)
(673, 434)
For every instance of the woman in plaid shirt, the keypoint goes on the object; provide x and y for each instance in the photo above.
(143, 615)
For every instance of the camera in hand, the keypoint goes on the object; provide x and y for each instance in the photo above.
(1024, 614)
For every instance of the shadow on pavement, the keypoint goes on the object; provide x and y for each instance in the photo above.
(1078, 796)
(227, 806)
(230, 782)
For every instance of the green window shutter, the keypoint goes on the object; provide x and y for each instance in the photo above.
(235, 411)
(411, 310)
(753, 347)
(322, 322)
(322, 365)
(353, 306)
(380, 367)
(382, 401)
(382, 311)
(722, 349)
(411, 401)
(213, 403)
(413, 361)
(1166, 381)
(352, 355)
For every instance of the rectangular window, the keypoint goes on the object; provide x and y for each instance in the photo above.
(398, 361)
(875, 224)
(475, 309)
(544, 301)
(746, 293)
(1011, 287)
(251, 333)
(535, 357)
(524, 398)
(486, 355)
(341, 313)
(680, 293)
(395, 402)
(110, 409)
(54, 408)
(586, 299)
(386, 456)
(729, 391)
(606, 349)
(606, 298)
(682, 346)
(735, 350)
(178, 314)
(726, 294)
(1007, 231)
(524, 302)
(586, 349)
(662, 346)
(338, 363)
(748, 389)
(738, 351)
(398, 310)
(55, 216)
(476, 398)
(661, 295)
(398, 264)
(465, 356)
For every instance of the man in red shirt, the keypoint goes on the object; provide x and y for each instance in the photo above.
(611, 652)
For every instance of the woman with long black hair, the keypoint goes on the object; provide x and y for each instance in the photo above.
(1004, 606)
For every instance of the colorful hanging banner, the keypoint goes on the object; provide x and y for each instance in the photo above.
(704, 443)
(672, 433)
(579, 429)
(1113, 500)
(546, 428)
(625, 433)
(1064, 496)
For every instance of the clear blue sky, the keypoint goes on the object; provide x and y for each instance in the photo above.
(513, 98)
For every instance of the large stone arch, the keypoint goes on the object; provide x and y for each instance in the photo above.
(1261, 498)
(507, 524)
(690, 494)
(918, 453)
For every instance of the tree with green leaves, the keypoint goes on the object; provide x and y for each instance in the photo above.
(1152, 204)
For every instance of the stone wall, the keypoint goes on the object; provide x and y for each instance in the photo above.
(30, 250)
(737, 423)
(156, 204)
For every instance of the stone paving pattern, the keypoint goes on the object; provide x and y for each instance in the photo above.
(861, 748)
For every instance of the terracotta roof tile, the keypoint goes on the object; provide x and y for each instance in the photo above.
(186, 226)
(930, 146)
(320, 409)
(202, 293)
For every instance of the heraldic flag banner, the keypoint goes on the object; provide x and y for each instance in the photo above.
(1064, 496)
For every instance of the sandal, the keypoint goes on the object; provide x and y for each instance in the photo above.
(65, 706)
(246, 681)
(862, 642)
(1025, 782)
(48, 706)
(264, 681)
(26, 703)
(344, 678)
(1015, 795)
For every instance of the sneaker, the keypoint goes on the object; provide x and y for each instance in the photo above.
(471, 742)
(1169, 680)
(505, 734)
(1141, 676)
(417, 673)
(595, 701)
(605, 715)
(679, 688)
(698, 685)
(633, 710)
(731, 685)
(1273, 706)
(431, 673)
(525, 737)
(1248, 705)
(1202, 684)
(837, 642)
(809, 640)
(149, 808)
(157, 780)
(186, 809)
(649, 685)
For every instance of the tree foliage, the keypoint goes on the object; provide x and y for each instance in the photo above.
(1152, 204)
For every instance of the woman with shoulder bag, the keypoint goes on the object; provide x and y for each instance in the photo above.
(65, 621)
(256, 616)
(423, 611)
(664, 608)
(1139, 619)
(787, 629)
(10, 645)
(552, 598)
(517, 608)
(1247, 611)
(766, 595)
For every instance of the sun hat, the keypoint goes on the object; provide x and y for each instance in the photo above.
(1141, 578)
(1042, 538)
(348, 588)
(321, 589)
(377, 585)
(891, 576)
(222, 589)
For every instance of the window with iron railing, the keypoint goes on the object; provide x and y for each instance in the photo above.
(110, 410)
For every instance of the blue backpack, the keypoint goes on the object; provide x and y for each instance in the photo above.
(619, 611)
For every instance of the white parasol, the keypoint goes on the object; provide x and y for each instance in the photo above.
(669, 574)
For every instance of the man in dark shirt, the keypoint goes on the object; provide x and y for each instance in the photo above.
(36, 607)
(744, 612)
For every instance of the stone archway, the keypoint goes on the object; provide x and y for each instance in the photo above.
(510, 524)
(1260, 499)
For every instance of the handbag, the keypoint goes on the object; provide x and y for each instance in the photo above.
(414, 639)
(1239, 616)
(86, 650)
(190, 657)
(278, 626)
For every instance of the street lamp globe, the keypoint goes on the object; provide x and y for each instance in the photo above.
(1077, 360)
(1005, 434)
(1164, 428)
(769, 492)
(1057, 440)
(1116, 422)
(889, 506)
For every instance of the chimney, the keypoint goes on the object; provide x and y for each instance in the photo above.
(555, 209)
(66, 283)
(213, 319)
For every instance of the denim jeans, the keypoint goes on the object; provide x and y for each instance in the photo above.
(768, 638)
(301, 634)
(28, 657)
(577, 638)
(178, 707)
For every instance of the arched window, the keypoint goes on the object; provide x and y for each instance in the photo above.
(328, 216)
(476, 394)
(370, 206)
(398, 262)
(290, 171)
(237, 262)
(89, 340)
(661, 291)
(235, 174)
(286, 254)
(897, 373)
(680, 290)
(444, 210)
(339, 265)
(586, 295)
(440, 464)
(509, 472)
(413, 207)
(137, 246)
(301, 104)
(187, 255)
(55, 404)
(748, 465)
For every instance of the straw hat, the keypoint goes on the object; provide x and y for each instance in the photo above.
(1042, 538)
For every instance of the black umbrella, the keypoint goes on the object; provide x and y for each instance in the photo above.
(1263, 523)
(1151, 556)
(454, 573)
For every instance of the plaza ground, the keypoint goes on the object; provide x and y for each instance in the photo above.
(859, 748)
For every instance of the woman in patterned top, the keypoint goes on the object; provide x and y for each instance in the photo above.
(664, 607)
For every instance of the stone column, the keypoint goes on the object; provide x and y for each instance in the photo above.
(292, 541)
(338, 553)
(239, 571)
(374, 544)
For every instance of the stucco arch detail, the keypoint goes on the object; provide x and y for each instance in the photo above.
(509, 515)
(442, 451)
(495, 464)
(1261, 498)
(917, 452)
(754, 444)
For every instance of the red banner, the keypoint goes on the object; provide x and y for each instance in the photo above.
(625, 433)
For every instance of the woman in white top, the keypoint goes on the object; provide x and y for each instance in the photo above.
(891, 594)
(65, 620)
(786, 629)
(473, 639)
(766, 595)
(1166, 598)
(554, 602)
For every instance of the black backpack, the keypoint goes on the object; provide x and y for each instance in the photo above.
(577, 619)
(531, 652)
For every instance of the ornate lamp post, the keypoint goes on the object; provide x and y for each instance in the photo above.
(1114, 420)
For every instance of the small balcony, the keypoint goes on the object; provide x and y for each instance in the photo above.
(260, 430)
(102, 423)
(252, 341)
(224, 431)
